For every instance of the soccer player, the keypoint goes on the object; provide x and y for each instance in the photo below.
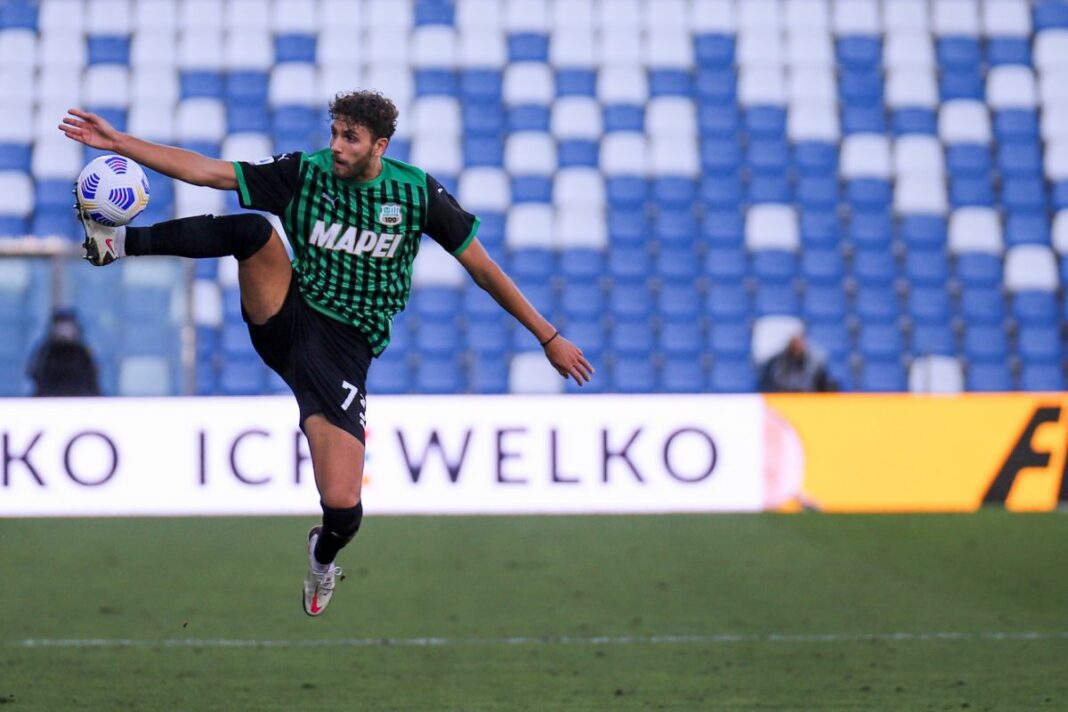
(354, 219)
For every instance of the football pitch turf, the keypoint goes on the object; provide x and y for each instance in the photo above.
(732, 612)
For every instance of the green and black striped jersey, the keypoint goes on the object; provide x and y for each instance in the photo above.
(354, 242)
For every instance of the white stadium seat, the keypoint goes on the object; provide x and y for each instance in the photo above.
(1060, 232)
(920, 195)
(772, 227)
(674, 155)
(207, 303)
(670, 116)
(387, 15)
(665, 14)
(484, 189)
(1056, 160)
(19, 86)
(759, 86)
(908, 87)
(811, 84)
(964, 121)
(57, 156)
(485, 16)
(528, 83)
(200, 50)
(622, 84)
(918, 154)
(578, 14)
(667, 48)
(529, 225)
(905, 15)
(975, 229)
(857, 17)
(576, 117)
(107, 85)
(1031, 267)
(292, 83)
(154, 48)
(955, 18)
(759, 15)
(760, 47)
(61, 14)
(335, 46)
(200, 120)
(772, 333)
(807, 17)
(436, 116)
(1011, 86)
(388, 46)
(909, 49)
(342, 15)
(200, 16)
(865, 156)
(16, 193)
(144, 376)
(58, 85)
(248, 49)
(1054, 124)
(153, 120)
(18, 49)
(434, 46)
(573, 47)
(62, 48)
(530, 152)
(301, 17)
(109, 17)
(1051, 49)
(936, 374)
(624, 153)
(333, 78)
(247, 15)
(246, 147)
(579, 188)
(437, 268)
(477, 50)
(530, 372)
(619, 14)
(530, 16)
(810, 49)
(394, 81)
(1006, 18)
(196, 200)
(155, 16)
(437, 154)
(1053, 87)
(16, 123)
(812, 121)
(580, 228)
(621, 45)
(713, 16)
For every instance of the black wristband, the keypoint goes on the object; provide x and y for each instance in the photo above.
(546, 342)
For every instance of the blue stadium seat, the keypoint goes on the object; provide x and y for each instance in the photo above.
(488, 375)
(590, 334)
(965, 191)
(528, 47)
(629, 226)
(923, 232)
(576, 82)
(1035, 308)
(436, 303)
(1027, 229)
(680, 340)
(934, 338)
(985, 343)
(961, 85)
(958, 53)
(633, 375)
(876, 304)
(54, 194)
(770, 189)
(824, 303)
(982, 304)
(729, 340)
(675, 192)
(727, 301)
(108, 49)
(721, 156)
(871, 229)
(883, 377)
(630, 300)
(858, 86)
(774, 265)
(624, 117)
(1050, 14)
(670, 82)
(915, 120)
(292, 47)
(813, 158)
(988, 376)
(242, 377)
(532, 189)
(483, 151)
(722, 190)
(15, 157)
(436, 82)
(820, 228)
(576, 152)
(1008, 50)
(1042, 377)
(874, 267)
(929, 304)
(438, 338)
(817, 192)
(716, 121)
(869, 194)
(541, 295)
(480, 90)
(880, 341)
(527, 117)
(1040, 343)
(626, 191)
(714, 51)
(676, 228)
(679, 302)
(723, 227)
(1025, 194)
(978, 269)
(735, 375)
(832, 337)
(18, 14)
(632, 339)
(764, 123)
(726, 264)
(629, 263)
(776, 299)
(822, 266)
(864, 119)
(927, 269)
(201, 83)
(434, 12)
(861, 51)
(681, 375)
(442, 374)
(966, 159)
(582, 264)
(532, 263)
(487, 336)
(674, 264)
(1016, 127)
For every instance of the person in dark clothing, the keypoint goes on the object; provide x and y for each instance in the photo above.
(62, 364)
(796, 369)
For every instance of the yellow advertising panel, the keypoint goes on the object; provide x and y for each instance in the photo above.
(906, 453)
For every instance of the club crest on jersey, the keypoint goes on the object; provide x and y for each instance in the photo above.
(390, 214)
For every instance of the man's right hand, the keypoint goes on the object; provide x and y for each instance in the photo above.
(90, 129)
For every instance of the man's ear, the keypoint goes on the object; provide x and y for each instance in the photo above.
(380, 147)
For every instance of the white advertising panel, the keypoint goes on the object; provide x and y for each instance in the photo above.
(425, 455)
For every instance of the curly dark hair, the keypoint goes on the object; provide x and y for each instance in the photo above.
(369, 109)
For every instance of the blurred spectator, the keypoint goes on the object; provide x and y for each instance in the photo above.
(796, 369)
(62, 365)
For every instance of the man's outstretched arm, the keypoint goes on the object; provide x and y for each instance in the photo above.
(188, 166)
(565, 356)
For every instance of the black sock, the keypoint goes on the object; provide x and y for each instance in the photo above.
(240, 235)
(339, 527)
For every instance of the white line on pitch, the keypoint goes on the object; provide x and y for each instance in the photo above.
(526, 640)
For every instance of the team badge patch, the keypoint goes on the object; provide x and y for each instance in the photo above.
(390, 214)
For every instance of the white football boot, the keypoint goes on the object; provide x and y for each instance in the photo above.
(318, 587)
(100, 240)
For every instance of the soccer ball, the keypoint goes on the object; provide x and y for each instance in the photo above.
(113, 190)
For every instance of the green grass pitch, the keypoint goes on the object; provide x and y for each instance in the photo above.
(718, 612)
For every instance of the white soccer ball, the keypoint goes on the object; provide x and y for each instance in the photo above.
(113, 190)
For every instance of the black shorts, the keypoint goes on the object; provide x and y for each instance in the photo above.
(322, 360)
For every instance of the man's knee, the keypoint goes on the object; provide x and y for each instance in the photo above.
(246, 233)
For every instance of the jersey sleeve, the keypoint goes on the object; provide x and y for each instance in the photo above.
(447, 223)
(270, 183)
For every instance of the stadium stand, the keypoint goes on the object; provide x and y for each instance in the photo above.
(674, 183)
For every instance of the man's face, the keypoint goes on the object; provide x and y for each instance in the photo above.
(356, 153)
